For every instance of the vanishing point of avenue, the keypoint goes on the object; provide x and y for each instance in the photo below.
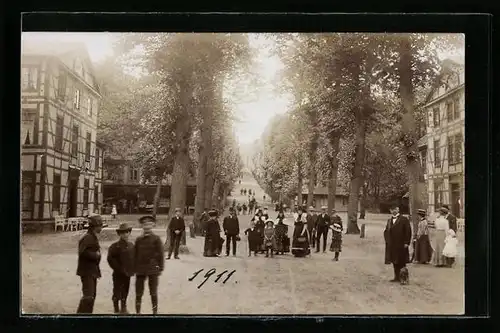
(276, 173)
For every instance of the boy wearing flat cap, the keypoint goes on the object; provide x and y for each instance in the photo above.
(149, 263)
(89, 257)
(121, 261)
(176, 227)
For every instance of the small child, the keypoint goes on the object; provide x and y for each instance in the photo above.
(336, 245)
(253, 239)
(114, 211)
(269, 238)
(450, 247)
(121, 261)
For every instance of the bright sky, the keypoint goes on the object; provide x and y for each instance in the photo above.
(254, 113)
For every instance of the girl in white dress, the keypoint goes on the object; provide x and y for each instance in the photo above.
(450, 247)
(438, 235)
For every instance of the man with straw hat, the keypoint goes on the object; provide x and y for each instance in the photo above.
(121, 261)
(89, 257)
(322, 224)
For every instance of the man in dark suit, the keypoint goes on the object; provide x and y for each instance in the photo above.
(176, 227)
(397, 235)
(452, 221)
(89, 257)
(231, 227)
(311, 218)
(322, 224)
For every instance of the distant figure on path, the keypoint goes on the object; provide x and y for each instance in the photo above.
(423, 249)
(397, 235)
(176, 227)
(113, 211)
(149, 263)
(244, 209)
(121, 261)
(231, 227)
(264, 198)
(89, 257)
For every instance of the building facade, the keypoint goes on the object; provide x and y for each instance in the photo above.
(124, 188)
(442, 144)
(320, 198)
(61, 162)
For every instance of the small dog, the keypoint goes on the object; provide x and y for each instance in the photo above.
(404, 276)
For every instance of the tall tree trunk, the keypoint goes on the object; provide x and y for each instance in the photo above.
(157, 197)
(409, 128)
(333, 170)
(362, 207)
(216, 194)
(312, 166)
(299, 185)
(209, 181)
(357, 177)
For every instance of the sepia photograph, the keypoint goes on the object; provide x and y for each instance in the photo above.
(242, 173)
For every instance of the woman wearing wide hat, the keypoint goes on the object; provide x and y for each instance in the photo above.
(438, 235)
(423, 249)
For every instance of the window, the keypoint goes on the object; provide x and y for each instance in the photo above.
(449, 111)
(29, 78)
(87, 146)
(76, 100)
(435, 116)
(59, 133)
(423, 159)
(89, 106)
(86, 194)
(28, 127)
(455, 149)
(56, 192)
(456, 108)
(438, 194)
(97, 152)
(61, 85)
(28, 191)
(437, 154)
(96, 196)
(74, 141)
(134, 174)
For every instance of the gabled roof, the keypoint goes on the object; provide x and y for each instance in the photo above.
(448, 67)
(59, 50)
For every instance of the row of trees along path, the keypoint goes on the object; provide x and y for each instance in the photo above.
(357, 104)
(174, 119)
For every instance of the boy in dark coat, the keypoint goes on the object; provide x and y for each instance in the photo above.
(121, 261)
(176, 227)
(397, 235)
(149, 263)
(253, 239)
(89, 257)
(231, 227)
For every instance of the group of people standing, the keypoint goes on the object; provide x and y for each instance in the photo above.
(434, 242)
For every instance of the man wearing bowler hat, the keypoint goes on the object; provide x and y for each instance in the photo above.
(322, 225)
(149, 263)
(397, 235)
(89, 257)
(231, 227)
(121, 261)
(176, 227)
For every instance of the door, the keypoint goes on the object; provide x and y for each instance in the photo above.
(455, 199)
(73, 197)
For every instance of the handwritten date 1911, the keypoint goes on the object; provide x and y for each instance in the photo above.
(209, 273)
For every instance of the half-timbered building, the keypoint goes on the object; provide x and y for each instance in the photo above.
(442, 142)
(61, 163)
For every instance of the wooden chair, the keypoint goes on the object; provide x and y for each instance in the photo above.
(73, 223)
(60, 222)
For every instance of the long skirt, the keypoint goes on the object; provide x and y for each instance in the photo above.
(423, 250)
(212, 246)
(336, 245)
(437, 240)
(300, 248)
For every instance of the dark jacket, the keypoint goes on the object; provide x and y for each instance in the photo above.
(311, 221)
(396, 235)
(149, 257)
(177, 223)
(323, 222)
(336, 219)
(452, 221)
(121, 257)
(89, 256)
(231, 225)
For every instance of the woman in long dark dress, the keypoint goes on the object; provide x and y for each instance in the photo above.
(212, 236)
(423, 248)
(281, 230)
(260, 225)
(300, 241)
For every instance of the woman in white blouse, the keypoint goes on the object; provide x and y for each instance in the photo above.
(438, 235)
